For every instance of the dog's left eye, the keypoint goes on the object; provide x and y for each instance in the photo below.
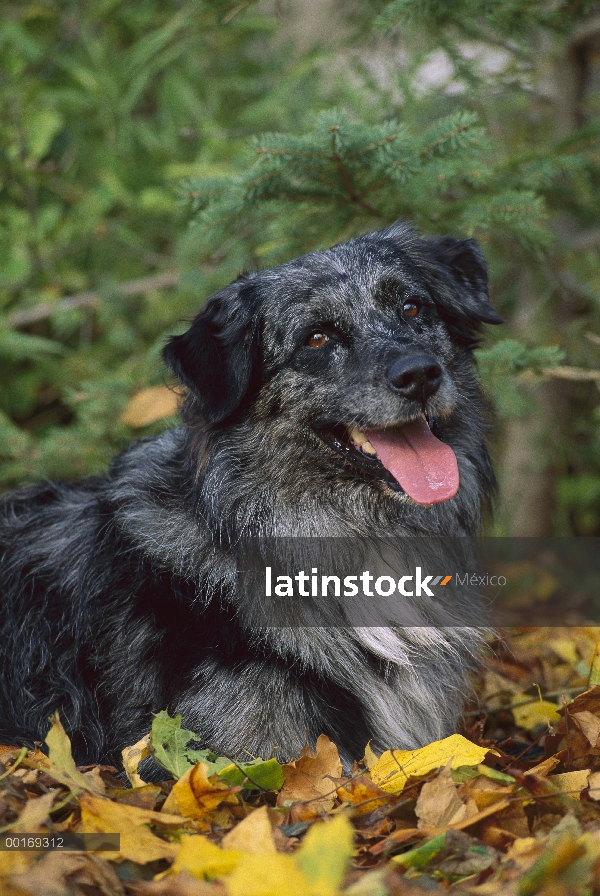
(317, 340)
(410, 309)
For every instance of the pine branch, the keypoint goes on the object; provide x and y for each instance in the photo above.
(353, 195)
(164, 280)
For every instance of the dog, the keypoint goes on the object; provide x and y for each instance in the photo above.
(332, 396)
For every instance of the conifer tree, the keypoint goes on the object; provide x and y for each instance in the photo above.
(107, 107)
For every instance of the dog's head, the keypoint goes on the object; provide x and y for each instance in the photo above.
(365, 346)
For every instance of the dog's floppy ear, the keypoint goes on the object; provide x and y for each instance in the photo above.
(216, 356)
(465, 262)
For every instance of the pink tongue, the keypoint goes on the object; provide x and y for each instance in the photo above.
(425, 467)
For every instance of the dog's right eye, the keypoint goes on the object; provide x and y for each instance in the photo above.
(317, 340)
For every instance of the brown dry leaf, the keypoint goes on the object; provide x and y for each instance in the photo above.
(143, 797)
(149, 405)
(34, 814)
(485, 792)
(513, 819)
(309, 778)
(195, 796)
(138, 843)
(252, 834)
(589, 724)
(61, 873)
(594, 786)
(571, 782)
(439, 803)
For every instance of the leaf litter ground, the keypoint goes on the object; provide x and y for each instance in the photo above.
(510, 805)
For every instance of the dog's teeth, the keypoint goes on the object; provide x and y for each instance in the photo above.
(368, 448)
(356, 435)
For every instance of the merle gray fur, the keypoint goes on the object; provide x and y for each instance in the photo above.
(119, 592)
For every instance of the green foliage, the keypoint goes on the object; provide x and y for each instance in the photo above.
(500, 17)
(104, 107)
(343, 175)
(173, 747)
(111, 111)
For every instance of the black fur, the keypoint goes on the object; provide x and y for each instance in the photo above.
(118, 592)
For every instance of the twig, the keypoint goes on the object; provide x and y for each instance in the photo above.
(90, 299)
(572, 373)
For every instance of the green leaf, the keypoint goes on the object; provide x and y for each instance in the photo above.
(42, 127)
(255, 775)
(421, 855)
(170, 744)
(171, 747)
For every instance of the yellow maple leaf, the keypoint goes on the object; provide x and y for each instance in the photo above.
(393, 768)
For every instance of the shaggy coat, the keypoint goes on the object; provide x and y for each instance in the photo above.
(120, 594)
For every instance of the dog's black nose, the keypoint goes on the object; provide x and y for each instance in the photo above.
(417, 376)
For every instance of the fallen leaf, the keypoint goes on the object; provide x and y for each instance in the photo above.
(62, 766)
(171, 746)
(531, 715)
(370, 757)
(393, 769)
(259, 774)
(594, 786)
(571, 782)
(309, 778)
(195, 796)
(566, 650)
(545, 767)
(363, 795)
(280, 875)
(132, 756)
(325, 854)
(589, 724)
(554, 860)
(438, 803)
(138, 843)
(203, 859)
(420, 856)
(58, 873)
(143, 797)
(35, 813)
(252, 834)
(148, 405)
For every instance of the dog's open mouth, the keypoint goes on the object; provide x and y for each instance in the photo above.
(409, 457)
